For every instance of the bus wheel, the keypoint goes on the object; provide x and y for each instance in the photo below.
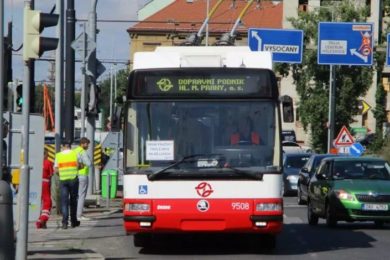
(312, 218)
(142, 240)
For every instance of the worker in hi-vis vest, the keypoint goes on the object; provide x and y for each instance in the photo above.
(81, 150)
(66, 165)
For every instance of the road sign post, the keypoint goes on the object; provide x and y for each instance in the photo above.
(285, 45)
(388, 51)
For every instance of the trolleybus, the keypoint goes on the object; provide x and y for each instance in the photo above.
(189, 166)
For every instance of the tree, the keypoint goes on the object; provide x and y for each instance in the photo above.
(122, 77)
(380, 95)
(312, 80)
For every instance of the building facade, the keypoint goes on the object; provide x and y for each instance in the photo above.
(169, 23)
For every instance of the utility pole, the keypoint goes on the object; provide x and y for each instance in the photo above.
(69, 76)
(1, 81)
(33, 47)
(91, 117)
(84, 83)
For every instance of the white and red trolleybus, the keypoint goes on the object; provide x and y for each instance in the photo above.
(188, 165)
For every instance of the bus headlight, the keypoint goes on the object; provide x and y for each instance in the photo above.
(137, 207)
(268, 206)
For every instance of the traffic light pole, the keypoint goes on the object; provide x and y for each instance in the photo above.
(59, 82)
(1, 81)
(24, 187)
(91, 117)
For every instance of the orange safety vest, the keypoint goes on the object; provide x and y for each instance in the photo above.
(67, 165)
(235, 138)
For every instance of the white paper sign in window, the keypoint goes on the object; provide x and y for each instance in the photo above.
(160, 150)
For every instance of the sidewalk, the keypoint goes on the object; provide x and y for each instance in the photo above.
(56, 243)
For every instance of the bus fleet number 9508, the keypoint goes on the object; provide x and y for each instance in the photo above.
(240, 205)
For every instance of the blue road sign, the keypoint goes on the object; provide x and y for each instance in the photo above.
(388, 51)
(345, 43)
(356, 149)
(285, 45)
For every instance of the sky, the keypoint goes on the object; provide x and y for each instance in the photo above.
(112, 40)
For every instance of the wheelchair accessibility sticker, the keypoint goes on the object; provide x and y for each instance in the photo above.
(143, 189)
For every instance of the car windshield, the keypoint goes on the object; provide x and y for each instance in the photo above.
(361, 170)
(296, 161)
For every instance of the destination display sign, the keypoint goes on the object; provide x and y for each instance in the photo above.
(204, 83)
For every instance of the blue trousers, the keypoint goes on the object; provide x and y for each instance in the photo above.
(69, 193)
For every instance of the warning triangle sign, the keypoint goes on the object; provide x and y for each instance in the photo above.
(344, 138)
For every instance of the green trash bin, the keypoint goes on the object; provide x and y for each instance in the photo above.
(113, 183)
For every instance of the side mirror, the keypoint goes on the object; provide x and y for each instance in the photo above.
(321, 176)
(287, 109)
(305, 170)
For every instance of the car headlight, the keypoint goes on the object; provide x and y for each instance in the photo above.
(292, 178)
(137, 207)
(343, 195)
(271, 206)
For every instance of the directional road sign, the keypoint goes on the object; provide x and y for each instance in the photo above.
(363, 107)
(285, 45)
(345, 43)
(83, 41)
(356, 149)
(388, 51)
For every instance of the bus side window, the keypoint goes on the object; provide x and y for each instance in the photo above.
(287, 109)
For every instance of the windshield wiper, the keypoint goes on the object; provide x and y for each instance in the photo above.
(245, 173)
(154, 175)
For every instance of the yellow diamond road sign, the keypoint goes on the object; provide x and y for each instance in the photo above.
(363, 107)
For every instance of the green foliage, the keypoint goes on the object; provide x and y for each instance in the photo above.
(312, 80)
(105, 85)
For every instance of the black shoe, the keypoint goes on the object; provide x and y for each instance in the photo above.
(75, 224)
(44, 225)
(64, 226)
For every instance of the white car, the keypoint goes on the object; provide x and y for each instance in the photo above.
(289, 146)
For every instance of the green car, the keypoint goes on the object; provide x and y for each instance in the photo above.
(350, 189)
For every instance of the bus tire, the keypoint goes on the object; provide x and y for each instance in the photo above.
(142, 240)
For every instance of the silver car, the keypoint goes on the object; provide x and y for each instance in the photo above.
(292, 163)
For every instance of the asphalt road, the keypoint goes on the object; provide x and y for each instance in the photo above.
(103, 237)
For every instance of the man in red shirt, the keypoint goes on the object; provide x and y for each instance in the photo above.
(46, 196)
(245, 134)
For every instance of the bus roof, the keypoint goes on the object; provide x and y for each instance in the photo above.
(202, 56)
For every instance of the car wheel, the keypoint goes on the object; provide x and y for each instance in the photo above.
(331, 221)
(142, 240)
(312, 218)
(379, 223)
(299, 196)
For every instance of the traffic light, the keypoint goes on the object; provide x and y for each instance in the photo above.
(19, 97)
(34, 22)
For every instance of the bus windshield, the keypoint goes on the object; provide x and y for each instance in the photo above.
(224, 133)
